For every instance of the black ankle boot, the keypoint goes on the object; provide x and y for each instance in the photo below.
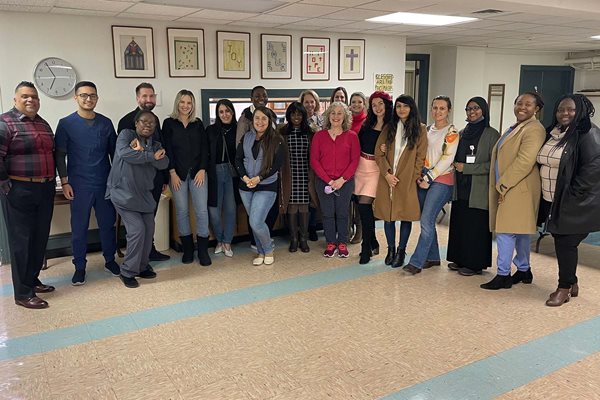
(398, 260)
(390, 255)
(522, 276)
(374, 244)
(499, 282)
(187, 242)
(203, 256)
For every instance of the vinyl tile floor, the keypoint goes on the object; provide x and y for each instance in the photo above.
(305, 327)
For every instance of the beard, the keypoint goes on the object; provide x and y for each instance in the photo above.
(148, 106)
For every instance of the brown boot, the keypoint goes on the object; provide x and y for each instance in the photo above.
(558, 298)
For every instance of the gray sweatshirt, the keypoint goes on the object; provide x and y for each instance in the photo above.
(130, 181)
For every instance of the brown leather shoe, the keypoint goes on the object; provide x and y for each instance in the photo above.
(43, 288)
(558, 298)
(411, 269)
(429, 264)
(574, 290)
(33, 302)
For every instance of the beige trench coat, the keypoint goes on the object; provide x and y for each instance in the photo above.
(401, 204)
(519, 180)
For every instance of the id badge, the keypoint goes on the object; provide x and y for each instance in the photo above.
(470, 159)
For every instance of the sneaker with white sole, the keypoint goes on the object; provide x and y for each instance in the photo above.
(258, 260)
(330, 250)
(78, 277)
(269, 259)
(219, 248)
(342, 250)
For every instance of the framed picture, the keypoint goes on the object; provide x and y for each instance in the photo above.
(276, 56)
(186, 52)
(315, 59)
(233, 55)
(351, 59)
(133, 51)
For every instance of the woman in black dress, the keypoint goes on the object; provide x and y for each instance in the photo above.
(469, 237)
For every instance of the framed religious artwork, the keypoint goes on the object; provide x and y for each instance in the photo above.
(186, 52)
(276, 56)
(233, 55)
(133, 51)
(315, 59)
(351, 59)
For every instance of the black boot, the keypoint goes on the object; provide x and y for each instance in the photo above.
(156, 255)
(293, 228)
(390, 255)
(375, 243)
(398, 260)
(303, 234)
(522, 276)
(367, 222)
(187, 242)
(203, 256)
(499, 282)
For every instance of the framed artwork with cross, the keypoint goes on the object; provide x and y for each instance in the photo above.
(351, 59)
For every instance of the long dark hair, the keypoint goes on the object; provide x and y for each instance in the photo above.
(270, 140)
(218, 123)
(296, 106)
(584, 110)
(412, 126)
(371, 119)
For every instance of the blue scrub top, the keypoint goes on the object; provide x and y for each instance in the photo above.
(88, 144)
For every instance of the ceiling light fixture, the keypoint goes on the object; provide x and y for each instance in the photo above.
(420, 19)
(597, 37)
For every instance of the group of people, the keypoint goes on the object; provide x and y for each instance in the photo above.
(363, 159)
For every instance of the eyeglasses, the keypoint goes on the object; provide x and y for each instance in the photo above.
(474, 108)
(85, 96)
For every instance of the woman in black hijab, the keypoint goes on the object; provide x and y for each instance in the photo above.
(469, 238)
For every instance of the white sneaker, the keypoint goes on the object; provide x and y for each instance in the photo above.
(269, 259)
(228, 252)
(219, 248)
(258, 260)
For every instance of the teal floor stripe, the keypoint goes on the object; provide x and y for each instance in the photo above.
(512, 368)
(64, 337)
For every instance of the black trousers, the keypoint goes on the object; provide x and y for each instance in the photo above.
(29, 208)
(567, 256)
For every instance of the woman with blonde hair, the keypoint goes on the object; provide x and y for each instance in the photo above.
(334, 155)
(187, 148)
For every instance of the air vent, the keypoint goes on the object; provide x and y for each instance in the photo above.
(488, 11)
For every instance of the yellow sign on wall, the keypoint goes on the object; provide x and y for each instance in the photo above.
(384, 82)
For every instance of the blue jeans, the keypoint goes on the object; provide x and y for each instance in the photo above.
(223, 230)
(389, 228)
(257, 205)
(431, 201)
(507, 244)
(182, 206)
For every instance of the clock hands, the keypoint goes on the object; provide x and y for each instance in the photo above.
(53, 76)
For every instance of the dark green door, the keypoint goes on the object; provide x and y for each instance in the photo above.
(551, 82)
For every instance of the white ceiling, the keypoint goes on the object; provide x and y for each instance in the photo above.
(523, 24)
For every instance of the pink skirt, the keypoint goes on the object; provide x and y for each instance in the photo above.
(366, 178)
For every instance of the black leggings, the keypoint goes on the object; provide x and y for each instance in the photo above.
(567, 256)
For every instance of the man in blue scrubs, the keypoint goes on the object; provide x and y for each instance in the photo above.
(87, 140)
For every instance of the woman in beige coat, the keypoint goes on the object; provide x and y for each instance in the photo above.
(400, 154)
(515, 191)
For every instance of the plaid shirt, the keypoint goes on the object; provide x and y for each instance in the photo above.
(26, 146)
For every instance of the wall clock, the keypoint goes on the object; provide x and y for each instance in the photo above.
(55, 77)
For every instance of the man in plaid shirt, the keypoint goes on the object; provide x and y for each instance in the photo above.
(27, 180)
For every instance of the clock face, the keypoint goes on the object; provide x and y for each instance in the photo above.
(55, 77)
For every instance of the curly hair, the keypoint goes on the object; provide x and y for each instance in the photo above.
(346, 124)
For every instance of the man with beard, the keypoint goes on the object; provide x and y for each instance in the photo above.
(146, 100)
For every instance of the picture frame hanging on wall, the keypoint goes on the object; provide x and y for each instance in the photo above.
(351, 65)
(276, 56)
(233, 55)
(315, 59)
(186, 52)
(133, 51)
